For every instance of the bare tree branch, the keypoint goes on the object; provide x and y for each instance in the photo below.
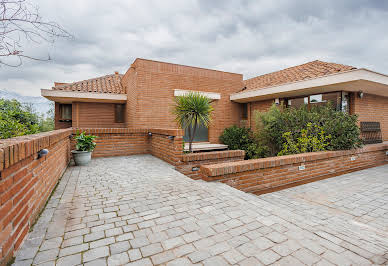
(20, 21)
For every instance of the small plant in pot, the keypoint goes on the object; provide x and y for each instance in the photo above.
(83, 148)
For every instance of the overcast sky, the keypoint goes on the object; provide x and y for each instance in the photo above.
(249, 37)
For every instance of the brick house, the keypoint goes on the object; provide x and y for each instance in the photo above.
(143, 96)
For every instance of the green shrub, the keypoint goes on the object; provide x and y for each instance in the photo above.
(85, 142)
(280, 129)
(313, 138)
(241, 138)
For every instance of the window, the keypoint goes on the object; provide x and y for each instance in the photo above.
(338, 100)
(119, 113)
(244, 114)
(65, 112)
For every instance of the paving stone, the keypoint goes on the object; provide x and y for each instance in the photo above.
(250, 262)
(179, 262)
(126, 236)
(119, 247)
(134, 254)
(102, 242)
(276, 237)
(267, 257)
(95, 253)
(198, 256)
(151, 249)
(184, 250)
(142, 262)
(69, 260)
(163, 257)
(143, 200)
(45, 256)
(73, 249)
(173, 242)
(51, 243)
(215, 261)
(139, 242)
(94, 236)
(233, 256)
(96, 262)
(118, 259)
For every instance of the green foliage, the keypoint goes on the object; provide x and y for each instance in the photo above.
(85, 142)
(311, 139)
(191, 110)
(18, 120)
(321, 128)
(241, 138)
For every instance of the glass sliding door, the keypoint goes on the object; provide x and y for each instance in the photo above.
(201, 134)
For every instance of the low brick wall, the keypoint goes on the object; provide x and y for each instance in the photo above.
(268, 174)
(26, 182)
(191, 162)
(117, 141)
(166, 144)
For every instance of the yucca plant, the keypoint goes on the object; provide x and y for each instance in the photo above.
(192, 110)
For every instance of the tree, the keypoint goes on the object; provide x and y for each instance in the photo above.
(15, 120)
(191, 111)
(20, 21)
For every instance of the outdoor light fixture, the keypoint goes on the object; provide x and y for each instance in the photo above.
(42, 153)
(171, 137)
(277, 101)
(149, 133)
(360, 94)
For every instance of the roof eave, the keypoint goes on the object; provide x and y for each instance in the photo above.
(72, 96)
(319, 85)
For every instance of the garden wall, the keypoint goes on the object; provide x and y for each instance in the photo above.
(191, 162)
(27, 181)
(268, 174)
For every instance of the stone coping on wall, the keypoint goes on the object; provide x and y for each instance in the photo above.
(202, 156)
(15, 149)
(220, 169)
(160, 131)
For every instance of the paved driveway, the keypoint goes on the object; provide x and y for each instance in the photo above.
(139, 210)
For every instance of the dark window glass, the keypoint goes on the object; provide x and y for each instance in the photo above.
(297, 102)
(65, 111)
(119, 113)
(244, 114)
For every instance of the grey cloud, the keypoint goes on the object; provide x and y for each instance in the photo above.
(250, 37)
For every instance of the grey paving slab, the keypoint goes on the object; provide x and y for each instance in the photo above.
(138, 210)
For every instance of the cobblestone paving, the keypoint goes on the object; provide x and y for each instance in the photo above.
(139, 211)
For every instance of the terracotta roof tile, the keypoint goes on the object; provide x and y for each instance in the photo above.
(305, 71)
(104, 84)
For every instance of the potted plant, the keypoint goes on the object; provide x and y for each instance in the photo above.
(83, 148)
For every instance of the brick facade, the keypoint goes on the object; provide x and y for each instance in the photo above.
(26, 182)
(371, 108)
(150, 87)
(264, 175)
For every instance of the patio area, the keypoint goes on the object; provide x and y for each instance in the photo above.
(138, 210)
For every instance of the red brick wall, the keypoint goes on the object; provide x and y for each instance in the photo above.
(195, 160)
(95, 115)
(371, 108)
(259, 106)
(150, 86)
(263, 175)
(169, 150)
(117, 141)
(26, 182)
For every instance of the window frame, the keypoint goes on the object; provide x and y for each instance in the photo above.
(61, 112)
(119, 110)
(343, 95)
